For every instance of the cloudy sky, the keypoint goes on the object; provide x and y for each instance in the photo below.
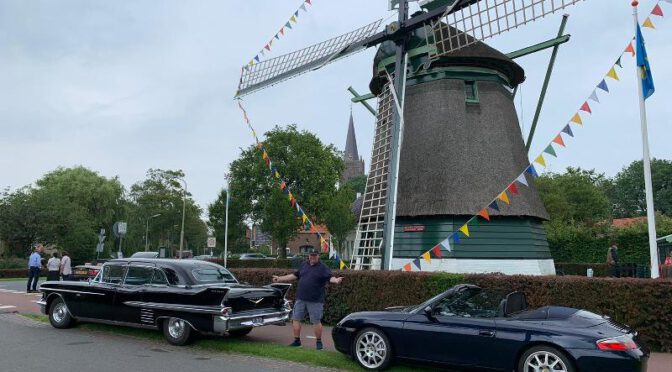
(124, 86)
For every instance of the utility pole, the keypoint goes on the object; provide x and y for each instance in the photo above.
(226, 219)
(184, 204)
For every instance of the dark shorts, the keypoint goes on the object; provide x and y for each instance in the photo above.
(314, 310)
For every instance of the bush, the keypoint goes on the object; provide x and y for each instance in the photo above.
(18, 273)
(13, 263)
(260, 264)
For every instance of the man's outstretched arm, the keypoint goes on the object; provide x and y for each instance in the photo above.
(284, 278)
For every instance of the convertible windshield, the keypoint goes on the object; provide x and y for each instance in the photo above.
(213, 275)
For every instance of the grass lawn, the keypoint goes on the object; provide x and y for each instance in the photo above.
(330, 359)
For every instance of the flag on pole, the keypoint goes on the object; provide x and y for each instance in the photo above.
(643, 65)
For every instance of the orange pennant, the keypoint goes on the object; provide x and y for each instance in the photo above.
(504, 197)
(559, 141)
(407, 267)
(630, 49)
(577, 119)
(484, 213)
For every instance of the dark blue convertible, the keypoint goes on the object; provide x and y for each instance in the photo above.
(470, 327)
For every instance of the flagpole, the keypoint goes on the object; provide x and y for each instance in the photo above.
(648, 187)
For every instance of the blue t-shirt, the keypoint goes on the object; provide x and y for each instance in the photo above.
(312, 280)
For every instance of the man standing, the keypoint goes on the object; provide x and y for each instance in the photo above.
(66, 269)
(34, 265)
(613, 261)
(313, 277)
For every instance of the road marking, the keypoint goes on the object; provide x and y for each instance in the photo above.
(7, 307)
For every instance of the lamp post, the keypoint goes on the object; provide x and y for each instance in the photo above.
(184, 203)
(147, 231)
(226, 219)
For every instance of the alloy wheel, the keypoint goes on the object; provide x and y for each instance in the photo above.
(59, 312)
(176, 327)
(371, 350)
(544, 361)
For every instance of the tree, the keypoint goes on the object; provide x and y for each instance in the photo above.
(18, 221)
(628, 195)
(237, 227)
(357, 184)
(310, 170)
(338, 217)
(577, 196)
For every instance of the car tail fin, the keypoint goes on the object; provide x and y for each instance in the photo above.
(283, 287)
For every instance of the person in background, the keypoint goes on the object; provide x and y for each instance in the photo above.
(613, 260)
(313, 276)
(53, 267)
(66, 266)
(34, 265)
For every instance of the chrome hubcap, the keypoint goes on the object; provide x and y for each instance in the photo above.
(544, 361)
(59, 312)
(371, 349)
(176, 327)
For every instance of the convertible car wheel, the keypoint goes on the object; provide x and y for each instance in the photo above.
(177, 331)
(240, 332)
(59, 315)
(372, 349)
(546, 359)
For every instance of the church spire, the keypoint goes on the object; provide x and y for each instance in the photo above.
(351, 142)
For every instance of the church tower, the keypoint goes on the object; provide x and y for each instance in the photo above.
(354, 164)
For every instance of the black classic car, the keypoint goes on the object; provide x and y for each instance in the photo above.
(180, 297)
(469, 327)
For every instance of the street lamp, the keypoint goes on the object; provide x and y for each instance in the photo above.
(226, 219)
(184, 203)
(147, 231)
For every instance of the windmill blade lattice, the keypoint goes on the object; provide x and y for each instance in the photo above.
(485, 19)
(266, 73)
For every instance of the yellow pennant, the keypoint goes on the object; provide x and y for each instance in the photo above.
(649, 24)
(577, 119)
(277, 175)
(293, 19)
(322, 241)
(540, 160)
(504, 197)
(290, 196)
(612, 74)
(465, 230)
(342, 265)
(427, 256)
(304, 218)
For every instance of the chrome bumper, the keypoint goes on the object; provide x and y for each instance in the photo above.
(43, 306)
(223, 324)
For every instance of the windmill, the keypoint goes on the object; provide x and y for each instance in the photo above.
(445, 35)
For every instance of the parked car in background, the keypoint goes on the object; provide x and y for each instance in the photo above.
(469, 327)
(85, 272)
(203, 257)
(254, 256)
(180, 297)
(145, 255)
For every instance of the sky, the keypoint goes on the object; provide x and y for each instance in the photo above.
(124, 86)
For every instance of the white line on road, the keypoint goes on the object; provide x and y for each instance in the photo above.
(7, 307)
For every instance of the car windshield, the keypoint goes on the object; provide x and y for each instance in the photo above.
(213, 275)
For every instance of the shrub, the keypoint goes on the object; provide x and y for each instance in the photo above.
(13, 263)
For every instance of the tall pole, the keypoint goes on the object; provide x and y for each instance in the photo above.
(393, 173)
(648, 185)
(147, 231)
(226, 220)
(184, 203)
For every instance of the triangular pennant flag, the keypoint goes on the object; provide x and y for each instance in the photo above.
(251, 62)
(585, 107)
(313, 229)
(577, 119)
(308, 2)
(593, 96)
(550, 150)
(299, 211)
(296, 14)
(612, 74)
(288, 25)
(559, 141)
(437, 250)
(277, 36)
(494, 205)
(630, 49)
(416, 262)
(568, 130)
(277, 175)
(603, 85)
(264, 155)
(465, 229)
(303, 7)
(290, 196)
(540, 160)
(522, 179)
(293, 19)
(513, 188)
(407, 267)
(456, 237)
(445, 243)
(648, 23)
(618, 62)
(256, 58)
(282, 31)
(484, 213)
(427, 256)
(292, 202)
(504, 197)
(268, 47)
(657, 11)
(342, 265)
(282, 185)
(532, 171)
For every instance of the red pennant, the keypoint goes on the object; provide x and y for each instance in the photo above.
(484, 213)
(513, 188)
(308, 2)
(559, 141)
(630, 49)
(585, 107)
(437, 250)
(282, 31)
(282, 185)
(407, 267)
(325, 247)
(657, 11)
(292, 202)
(268, 47)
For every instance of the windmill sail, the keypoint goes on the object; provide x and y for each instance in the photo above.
(484, 19)
(266, 73)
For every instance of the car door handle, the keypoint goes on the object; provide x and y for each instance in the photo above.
(486, 333)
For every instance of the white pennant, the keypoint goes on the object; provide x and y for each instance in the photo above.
(446, 244)
(332, 254)
(522, 179)
(593, 97)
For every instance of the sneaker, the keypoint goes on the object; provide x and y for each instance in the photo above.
(296, 343)
(318, 345)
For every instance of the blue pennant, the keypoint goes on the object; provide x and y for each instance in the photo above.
(299, 211)
(568, 130)
(416, 262)
(456, 237)
(256, 58)
(603, 85)
(494, 205)
(532, 171)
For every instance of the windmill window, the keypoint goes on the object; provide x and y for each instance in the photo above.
(471, 92)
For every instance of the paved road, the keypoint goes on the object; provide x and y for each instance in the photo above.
(27, 345)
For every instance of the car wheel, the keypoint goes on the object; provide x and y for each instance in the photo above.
(59, 315)
(544, 358)
(177, 331)
(372, 349)
(240, 332)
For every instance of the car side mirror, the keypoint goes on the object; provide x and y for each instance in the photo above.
(429, 312)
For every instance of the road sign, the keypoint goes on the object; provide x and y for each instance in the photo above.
(119, 229)
(212, 242)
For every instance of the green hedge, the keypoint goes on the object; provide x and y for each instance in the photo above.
(640, 303)
(18, 273)
(233, 263)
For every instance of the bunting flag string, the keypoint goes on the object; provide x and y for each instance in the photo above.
(307, 222)
(288, 25)
(530, 169)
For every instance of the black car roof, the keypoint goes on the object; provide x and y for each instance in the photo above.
(182, 267)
